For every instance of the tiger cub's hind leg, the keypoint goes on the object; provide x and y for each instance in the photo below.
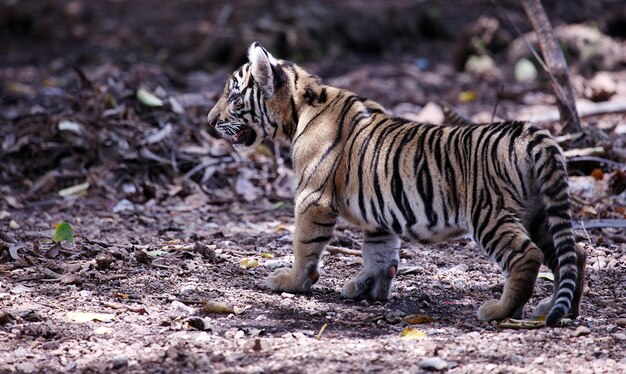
(381, 256)
(520, 259)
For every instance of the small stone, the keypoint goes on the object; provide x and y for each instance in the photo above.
(143, 258)
(433, 364)
(119, 361)
(621, 322)
(525, 71)
(187, 288)
(5, 317)
(197, 323)
(582, 330)
(14, 225)
(619, 336)
(602, 87)
(4, 215)
(430, 113)
(50, 345)
(287, 295)
(180, 310)
(205, 251)
(104, 261)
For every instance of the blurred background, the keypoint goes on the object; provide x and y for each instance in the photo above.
(108, 98)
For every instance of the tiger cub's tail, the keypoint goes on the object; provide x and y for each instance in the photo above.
(551, 177)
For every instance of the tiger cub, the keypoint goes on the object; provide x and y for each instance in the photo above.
(505, 184)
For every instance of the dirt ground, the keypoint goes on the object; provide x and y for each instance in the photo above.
(174, 233)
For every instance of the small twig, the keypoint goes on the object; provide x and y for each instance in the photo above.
(495, 107)
(607, 107)
(556, 64)
(593, 151)
(319, 334)
(341, 250)
(598, 223)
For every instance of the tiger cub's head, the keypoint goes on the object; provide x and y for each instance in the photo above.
(257, 101)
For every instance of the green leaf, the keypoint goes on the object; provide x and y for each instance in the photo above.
(63, 231)
(148, 99)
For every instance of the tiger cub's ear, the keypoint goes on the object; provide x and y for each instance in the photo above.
(262, 63)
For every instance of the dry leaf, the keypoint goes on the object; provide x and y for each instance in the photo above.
(79, 189)
(466, 96)
(103, 330)
(410, 333)
(219, 308)
(248, 263)
(546, 275)
(148, 99)
(88, 316)
(416, 319)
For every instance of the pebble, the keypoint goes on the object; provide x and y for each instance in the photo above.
(180, 310)
(433, 363)
(621, 322)
(287, 295)
(119, 361)
(582, 330)
(198, 323)
(49, 345)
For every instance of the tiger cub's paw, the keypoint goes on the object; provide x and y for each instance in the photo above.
(543, 308)
(371, 285)
(492, 310)
(285, 279)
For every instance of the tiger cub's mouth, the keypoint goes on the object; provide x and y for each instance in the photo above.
(237, 133)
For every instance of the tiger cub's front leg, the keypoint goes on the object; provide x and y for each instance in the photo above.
(314, 228)
(381, 255)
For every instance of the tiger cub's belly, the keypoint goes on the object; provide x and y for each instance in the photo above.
(420, 230)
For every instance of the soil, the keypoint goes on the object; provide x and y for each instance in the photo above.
(174, 233)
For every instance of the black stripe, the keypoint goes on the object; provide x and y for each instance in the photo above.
(318, 239)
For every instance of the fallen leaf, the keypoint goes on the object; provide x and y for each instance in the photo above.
(416, 319)
(20, 289)
(79, 189)
(248, 263)
(546, 275)
(522, 324)
(82, 317)
(63, 231)
(13, 251)
(466, 96)
(216, 307)
(66, 125)
(156, 253)
(102, 330)
(410, 333)
(148, 99)
(267, 255)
